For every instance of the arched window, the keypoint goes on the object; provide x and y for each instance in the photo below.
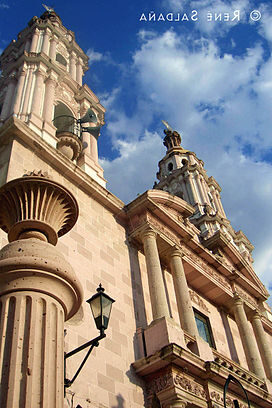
(61, 59)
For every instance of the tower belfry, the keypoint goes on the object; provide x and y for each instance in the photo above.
(182, 174)
(41, 86)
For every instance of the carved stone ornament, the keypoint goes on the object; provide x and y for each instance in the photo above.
(197, 300)
(69, 145)
(34, 205)
(169, 379)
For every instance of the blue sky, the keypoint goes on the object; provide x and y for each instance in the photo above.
(211, 80)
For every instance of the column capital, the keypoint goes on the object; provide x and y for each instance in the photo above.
(236, 300)
(175, 251)
(148, 232)
(255, 315)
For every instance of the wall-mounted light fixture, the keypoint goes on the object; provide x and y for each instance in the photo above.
(100, 304)
(235, 402)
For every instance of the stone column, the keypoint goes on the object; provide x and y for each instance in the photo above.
(19, 91)
(37, 96)
(204, 189)
(8, 98)
(46, 37)
(191, 188)
(49, 95)
(184, 189)
(201, 193)
(263, 342)
(72, 67)
(53, 46)
(79, 71)
(248, 340)
(155, 279)
(219, 203)
(39, 291)
(27, 92)
(186, 314)
(34, 41)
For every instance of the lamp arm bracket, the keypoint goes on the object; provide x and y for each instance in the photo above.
(94, 342)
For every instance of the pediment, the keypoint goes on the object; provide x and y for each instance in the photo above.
(243, 272)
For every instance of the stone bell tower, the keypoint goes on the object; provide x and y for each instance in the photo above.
(41, 86)
(182, 174)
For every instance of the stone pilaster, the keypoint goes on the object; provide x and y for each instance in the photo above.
(27, 92)
(19, 91)
(79, 71)
(34, 42)
(37, 96)
(155, 278)
(248, 341)
(53, 47)
(39, 291)
(186, 314)
(8, 98)
(46, 38)
(72, 67)
(50, 85)
(262, 342)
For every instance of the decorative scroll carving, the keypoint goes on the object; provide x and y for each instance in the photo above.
(197, 299)
(167, 380)
(64, 93)
(210, 271)
(161, 228)
(189, 385)
(160, 383)
(215, 396)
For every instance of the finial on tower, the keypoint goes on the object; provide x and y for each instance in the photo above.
(172, 138)
(48, 8)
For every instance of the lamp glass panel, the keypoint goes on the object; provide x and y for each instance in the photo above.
(96, 307)
(106, 310)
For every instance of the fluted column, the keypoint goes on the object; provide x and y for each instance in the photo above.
(39, 291)
(191, 188)
(186, 314)
(248, 341)
(154, 273)
(49, 99)
(72, 67)
(220, 206)
(53, 47)
(27, 92)
(37, 96)
(263, 342)
(8, 98)
(34, 325)
(34, 41)
(45, 44)
(201, 193)
(19, 91)
(79, 71)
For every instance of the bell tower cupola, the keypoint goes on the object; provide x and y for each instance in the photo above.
(181, 173)
(41, 86)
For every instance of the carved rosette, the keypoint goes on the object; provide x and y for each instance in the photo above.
(34, 206)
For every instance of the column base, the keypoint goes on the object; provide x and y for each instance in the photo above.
(162, 332)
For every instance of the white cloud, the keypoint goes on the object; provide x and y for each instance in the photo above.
(221, 104)
(94, 55)
(4, 6)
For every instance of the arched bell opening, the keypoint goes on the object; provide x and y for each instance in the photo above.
(68, 131)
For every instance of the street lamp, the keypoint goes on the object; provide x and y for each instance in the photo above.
(235, 402)
(100, 304)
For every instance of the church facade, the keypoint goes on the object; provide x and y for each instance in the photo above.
(189, 309)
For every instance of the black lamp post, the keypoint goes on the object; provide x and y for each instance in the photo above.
(100, 304)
